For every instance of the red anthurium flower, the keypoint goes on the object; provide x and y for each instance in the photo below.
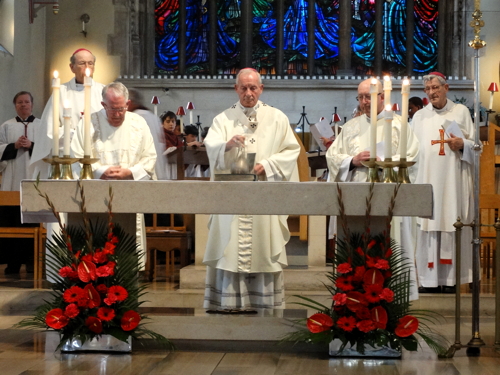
(94, 324)
(347, 323)
(359, 272)
(56, 319)
(379, 317)
(71, 311)
(356, 301)
(382, 264)
(373, 276)
(106, 314)
(340, 299)
(119, 292)
(371, 244)
(344, 268)
(387, 295)
(100, 257)
(363, 313)
(86, 271)
(366, 325)
(94, 299)
(130, 320)
(407, 326)
(344, 283)
(373, 291)
(319, 322)
(72, 294)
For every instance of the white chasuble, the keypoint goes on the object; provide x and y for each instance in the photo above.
(355, 138)
(74, 93)
(450, 174)
(15, 163)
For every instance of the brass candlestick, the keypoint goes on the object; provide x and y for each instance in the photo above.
(55, 170)
(403, 177)
(66, 170)
(86, 172)
(388, 175)
(371, 164)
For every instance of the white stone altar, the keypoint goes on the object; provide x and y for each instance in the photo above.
(299, 198)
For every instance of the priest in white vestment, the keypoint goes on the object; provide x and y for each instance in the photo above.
(73, 92)
(446, 161)
(122, 142)
(16, 143)
(16, 146)
(245, 253)
(350, 148)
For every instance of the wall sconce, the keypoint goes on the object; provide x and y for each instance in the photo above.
(85, 18)
(33, 11)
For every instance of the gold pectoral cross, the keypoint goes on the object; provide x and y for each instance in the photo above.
(442, 141)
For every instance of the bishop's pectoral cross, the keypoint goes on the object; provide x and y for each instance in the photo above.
(442, 141)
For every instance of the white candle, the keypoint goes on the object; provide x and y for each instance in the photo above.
(56, 84)
(181, 125)
(405, 94)
(67, 128)
(86, 114)
(191, 117)
(155, 110)
(373, 118)
(491, 100)
(388, 132)
(387, 90)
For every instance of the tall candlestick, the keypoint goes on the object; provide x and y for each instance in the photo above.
(388, 133)
(491, 100)
(190, 107)
(56, 84)
(87, 83)
(387, 90)
(373, 118)
(405, 94)
(67, 128)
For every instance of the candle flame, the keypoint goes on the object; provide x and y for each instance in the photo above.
(56, 74)
(387, 78)
(87, 72)
(406, 82)
(388, 107)
(374, 81)
(66, 103)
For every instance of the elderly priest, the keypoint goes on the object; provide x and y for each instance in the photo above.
(245, 253)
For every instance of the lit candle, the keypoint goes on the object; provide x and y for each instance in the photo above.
(388, 132)
(190, 107)
(492, 89)
(87, 83)
(373, 118)
(405, 94)
(387, 90)
(56, 84)
(67, 128)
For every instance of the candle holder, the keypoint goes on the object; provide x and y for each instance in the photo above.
(66, 170)
(488, 113)
(403, 177)
(86, 172)
(55, 170)
(388, 175)
(372, 166)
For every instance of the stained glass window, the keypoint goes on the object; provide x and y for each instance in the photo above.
(295, 36)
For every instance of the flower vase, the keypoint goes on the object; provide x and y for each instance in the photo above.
(104, 343)
(370, 351)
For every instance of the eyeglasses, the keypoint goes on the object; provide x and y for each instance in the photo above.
(360, 98)
(432, 88)
(115, 110)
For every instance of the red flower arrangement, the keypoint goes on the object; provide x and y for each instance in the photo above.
(370, 297)
(97, 291)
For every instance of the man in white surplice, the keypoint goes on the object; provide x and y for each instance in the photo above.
(122, 142)
(349, 149)
(73, 93)
(446, 161)
(245, 253)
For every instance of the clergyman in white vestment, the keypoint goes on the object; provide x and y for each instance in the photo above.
(245, 253)
(350, 148)
(122, 142)
(445, 161)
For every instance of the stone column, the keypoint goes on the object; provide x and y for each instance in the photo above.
(182, 36)
(246, 34)
(212, 37)
(345, 49)
(410, 30)
(379, 37)
(280, 42)
(311, 24)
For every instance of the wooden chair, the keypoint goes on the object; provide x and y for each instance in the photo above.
(12, 198)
